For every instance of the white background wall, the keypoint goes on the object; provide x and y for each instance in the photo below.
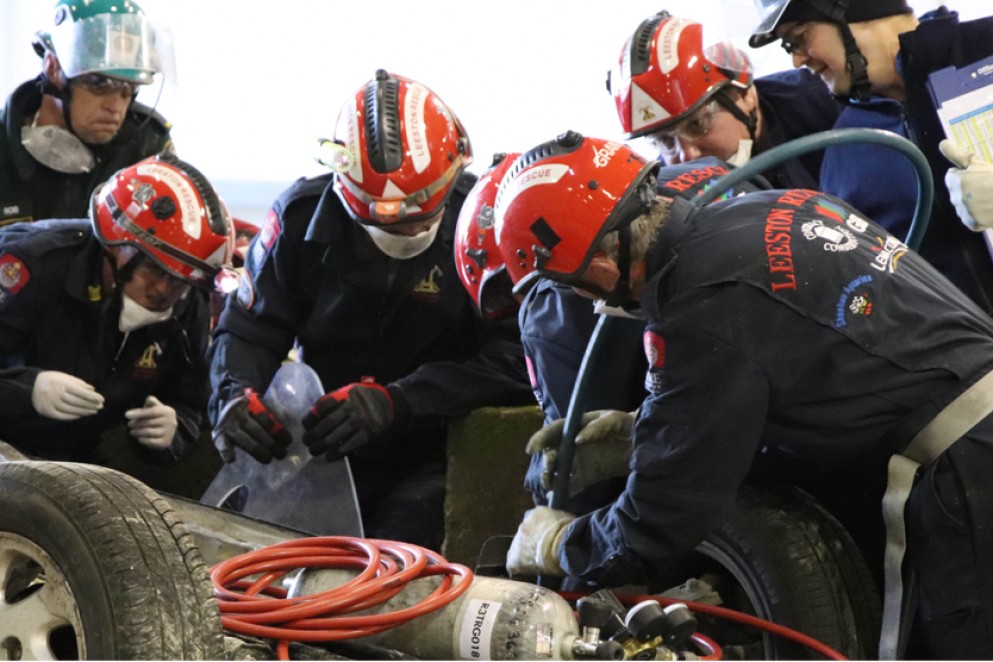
(258, 82)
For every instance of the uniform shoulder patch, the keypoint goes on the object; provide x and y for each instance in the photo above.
(14, 275)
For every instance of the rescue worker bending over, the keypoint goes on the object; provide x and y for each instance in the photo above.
(105, 322)
(67, 131)
(781, 318)
(357, 269)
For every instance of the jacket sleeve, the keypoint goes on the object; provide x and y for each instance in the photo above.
(496, 376)
(694, 442)
(257, 327)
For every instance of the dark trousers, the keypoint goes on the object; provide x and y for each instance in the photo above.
(401, 501)
(950, 549)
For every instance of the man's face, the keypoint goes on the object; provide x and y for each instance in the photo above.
(710, 131)
(98, 107)
(153, 288)
(414, 229)
(817, 46)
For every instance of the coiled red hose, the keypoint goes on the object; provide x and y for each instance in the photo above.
(252, 604)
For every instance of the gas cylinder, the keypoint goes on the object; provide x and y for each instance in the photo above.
(495, 619)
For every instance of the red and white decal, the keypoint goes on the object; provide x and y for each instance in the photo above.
(13, 274)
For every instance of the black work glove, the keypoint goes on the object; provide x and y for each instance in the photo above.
(246, 423)
(347, 418)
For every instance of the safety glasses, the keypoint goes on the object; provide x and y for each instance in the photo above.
(795, 39)
(694, 127)
(103, 85)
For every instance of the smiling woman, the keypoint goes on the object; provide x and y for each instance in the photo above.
(248, 107)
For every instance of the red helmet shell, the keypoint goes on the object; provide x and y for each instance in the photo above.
(477, 257)
(560, 198)
(665, 74)
(167, 210)
(407, 150)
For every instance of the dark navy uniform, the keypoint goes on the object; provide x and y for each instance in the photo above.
(556, 325)
(53, 317)
(786, 319)
(314, 277)
(794, 104)
(30, 191)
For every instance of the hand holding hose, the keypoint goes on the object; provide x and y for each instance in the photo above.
(603, 448)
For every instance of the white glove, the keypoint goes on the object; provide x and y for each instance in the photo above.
(970, 186)
(603, 448)
(63, 397)
(153, 425)
(535, 548)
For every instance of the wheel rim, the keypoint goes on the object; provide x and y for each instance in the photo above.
(39, 617)
(756, 603)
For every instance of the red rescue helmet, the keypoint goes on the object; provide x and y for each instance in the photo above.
(665, 73)
(477, 257)
(558, 200)
(168, 210)
(406, 151)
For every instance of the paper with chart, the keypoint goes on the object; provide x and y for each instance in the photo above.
(963, 98)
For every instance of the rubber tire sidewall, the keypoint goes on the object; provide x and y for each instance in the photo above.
(783, 547)
(45, 503)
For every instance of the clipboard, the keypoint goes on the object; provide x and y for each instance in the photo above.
(963, 98)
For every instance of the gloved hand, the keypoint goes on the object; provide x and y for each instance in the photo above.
(64, 397)
(603, 448)
(153, 425)
(970, 186)
(535, 548)
(347, 418)
(246, 423)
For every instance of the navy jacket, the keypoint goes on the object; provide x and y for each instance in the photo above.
(52, 317)
(556, 325)
(314, 278)
(781, 319)
(879, 181)
(794, 103)
(30, 191)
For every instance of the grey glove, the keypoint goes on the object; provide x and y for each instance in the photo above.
(603, 448)
(536, 545)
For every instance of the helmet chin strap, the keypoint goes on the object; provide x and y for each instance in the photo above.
(622, 291)
(857, 65)
(750, 120)
(63, 94)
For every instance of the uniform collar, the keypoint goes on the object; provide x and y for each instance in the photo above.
(663, 255)
(84, 271)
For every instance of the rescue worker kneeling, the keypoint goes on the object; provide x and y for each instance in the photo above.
(781, 319)
(104, 322)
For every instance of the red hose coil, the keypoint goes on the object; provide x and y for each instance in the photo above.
(253, 604)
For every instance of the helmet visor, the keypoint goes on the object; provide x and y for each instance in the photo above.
(121, 45)
(770, 13)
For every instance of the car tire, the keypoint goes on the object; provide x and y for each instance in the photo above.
(782, 557)
(96, 565)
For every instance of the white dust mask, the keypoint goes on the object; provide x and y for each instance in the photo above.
(399, 246)
(744, 153)
(134, 315)
(58, 148)
(600, 307)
